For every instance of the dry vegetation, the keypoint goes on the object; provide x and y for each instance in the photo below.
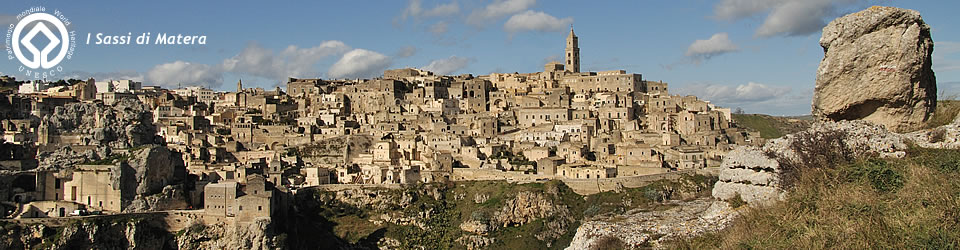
(946, 111)
(910, 203)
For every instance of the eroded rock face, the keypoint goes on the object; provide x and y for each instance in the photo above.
(126, 124)
(877, 67)
(642, 229)
(153, 167)
(749, 173)
(526, 207)
(753, 173)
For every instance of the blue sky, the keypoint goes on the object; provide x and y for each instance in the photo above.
(760, 55)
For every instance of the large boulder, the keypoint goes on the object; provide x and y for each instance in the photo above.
(150, 168)
(877, 67)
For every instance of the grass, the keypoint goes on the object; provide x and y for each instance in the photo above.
(946, 111)
(110, 160)
(910, 203)
(770, 127)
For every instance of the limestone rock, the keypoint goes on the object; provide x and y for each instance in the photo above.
(749, 173)
(753, 175)
(472, 242)
(638, 229)
(171, 198)
(476, 227)
(877, 67)
(126, 124)
(526, 207)
(946, 136)
(153, 167)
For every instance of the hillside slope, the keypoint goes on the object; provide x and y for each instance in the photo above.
(771, 127)
(909, 203)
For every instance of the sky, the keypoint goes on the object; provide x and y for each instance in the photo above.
(758, 55)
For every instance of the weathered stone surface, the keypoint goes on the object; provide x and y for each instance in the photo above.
(171, 198)
(946, 136)
(639, 229)
(752, 194)
(126, 124)
(476, 227)
(472, 242)
(751, 173)
(877, 67)
(256, 235)
(748, 157)
(748, 176)
(526, 207)
(153, 167)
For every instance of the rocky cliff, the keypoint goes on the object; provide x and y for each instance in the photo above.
(126, 124)
(147, 232)
(877, 67)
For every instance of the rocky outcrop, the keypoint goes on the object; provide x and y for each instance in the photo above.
(750, 175)
(946, 136)
(171, 198)
(640, 229)
(126, 124)
(753, 173)
(877, 67)
(89, 234)
(472, 242)
(526, 207)
(67, 156)
(146, 178)
(153, 168)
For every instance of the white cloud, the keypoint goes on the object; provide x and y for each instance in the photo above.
(438, 28)
(498, 9)
(406, 52)
(186, 73)
(718, 44)
(753, 97)
(415, 10)
(359, 63)
(743, 93)
(796, 18)
(786, 17)
(536, 21)
(254, 60)
(736, 9)
(943, 56)
(448, 65)
(293, 61)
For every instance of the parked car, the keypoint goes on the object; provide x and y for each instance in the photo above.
(79, 212)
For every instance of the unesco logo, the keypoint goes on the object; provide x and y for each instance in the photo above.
(35, 26)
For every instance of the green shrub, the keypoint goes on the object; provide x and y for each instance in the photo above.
(945, 160)
(881, 175)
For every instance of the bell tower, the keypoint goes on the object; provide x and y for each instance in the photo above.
(572, 63)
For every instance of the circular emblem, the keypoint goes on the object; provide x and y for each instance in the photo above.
(34, 28)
